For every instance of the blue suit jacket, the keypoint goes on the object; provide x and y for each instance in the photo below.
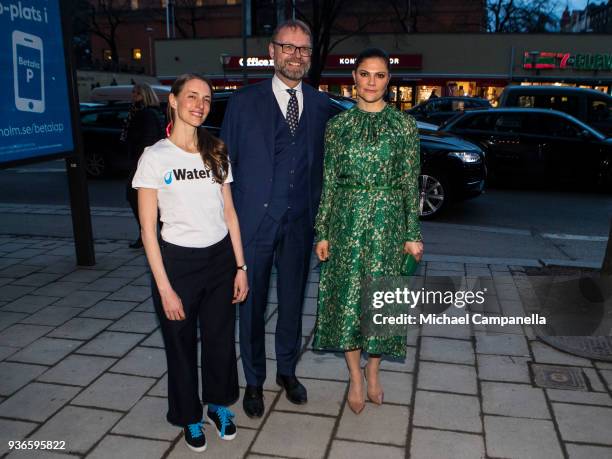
(248, 132)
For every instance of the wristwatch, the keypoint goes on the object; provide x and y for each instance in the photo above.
(243, 267)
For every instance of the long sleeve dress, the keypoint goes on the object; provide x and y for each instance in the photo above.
(369, 209)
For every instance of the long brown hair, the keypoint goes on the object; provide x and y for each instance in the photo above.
(212, 149)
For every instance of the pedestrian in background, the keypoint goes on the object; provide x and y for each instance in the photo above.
(197, 265)
(143, 127)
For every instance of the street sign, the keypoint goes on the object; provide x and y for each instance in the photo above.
(36, 109)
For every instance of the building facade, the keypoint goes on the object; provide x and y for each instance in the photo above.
(448, 64)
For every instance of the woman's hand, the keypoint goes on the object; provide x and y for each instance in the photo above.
(172, 304)
(322, 250)
(414, 248)
(241, 287)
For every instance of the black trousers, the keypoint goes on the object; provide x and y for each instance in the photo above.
(288, 244)
(203, 278)
(131, 195)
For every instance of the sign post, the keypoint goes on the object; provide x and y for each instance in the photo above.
(40, 116)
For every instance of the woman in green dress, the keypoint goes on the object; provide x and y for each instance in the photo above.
(368, 219)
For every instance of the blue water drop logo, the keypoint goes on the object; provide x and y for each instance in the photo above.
(168, 177)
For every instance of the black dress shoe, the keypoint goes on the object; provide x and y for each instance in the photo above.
(252, 401)
(137, 244)
(295, 391)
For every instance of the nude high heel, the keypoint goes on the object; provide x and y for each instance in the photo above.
(356, 405)
(374, 398)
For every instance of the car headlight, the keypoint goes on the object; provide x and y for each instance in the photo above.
(466, 156)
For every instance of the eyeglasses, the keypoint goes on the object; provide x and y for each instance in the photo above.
(287, 48)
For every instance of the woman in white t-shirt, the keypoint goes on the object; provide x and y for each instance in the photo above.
(198, 265)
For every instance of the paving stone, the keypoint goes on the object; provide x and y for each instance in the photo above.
(322, 366)
(501, 344)
(447, 378)
(521, 438)
(397, 387)
(445, 266)
(341, 449)
(84, 275)
(29, 303)
(146, 306)
(114, 392)
(81, 299)
(52, 316)
(21, 335)
(593, 379)
(143, 361)
(406, 365)
(7, 351)
(80, 428)
(394, 419)
(37, 279)
(447, 331)
(107, 284)
(309, 435)
(447, 411)
(109, 309)
(18, 270)
(324, 397)
(160, 389)
(131, 293)
(604, 365)
(12, 292)
(37, 402)
(9, 318)
(242, 420)
(136, 322)
(429, 444)
(588, 424)
(143, 280)
(154, 410)
(17, 375)
(60, 289)
(543, 353)
(515, 400)
(155, 339)
(46, 351)
(77, 370)
(112, 344)
(13, 431)
(503, 368)
(235, 449)
(588, 452)
(116, 447)
(80, 328)
(583, 398)
(607, 375)
(447, 350)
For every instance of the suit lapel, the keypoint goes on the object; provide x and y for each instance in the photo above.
(308, 113)
(265, 110)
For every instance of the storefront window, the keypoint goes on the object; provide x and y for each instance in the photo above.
(425, 92)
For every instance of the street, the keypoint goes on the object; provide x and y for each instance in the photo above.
(538, 225)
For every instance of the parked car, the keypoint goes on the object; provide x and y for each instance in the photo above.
(592, 107)
(123, 93)
(537, 146)
(439, 109)
(451, 168)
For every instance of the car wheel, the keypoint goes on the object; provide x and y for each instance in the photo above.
(95, 164)
(433, 195)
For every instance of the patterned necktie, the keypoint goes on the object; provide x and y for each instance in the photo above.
(293, 112)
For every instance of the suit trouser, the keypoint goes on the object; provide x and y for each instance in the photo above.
(288, 244)
(203, 278)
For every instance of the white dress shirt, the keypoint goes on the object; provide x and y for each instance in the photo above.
(282, 96)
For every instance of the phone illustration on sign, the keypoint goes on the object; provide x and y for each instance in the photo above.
(28, 71)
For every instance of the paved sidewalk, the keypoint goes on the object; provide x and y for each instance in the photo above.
(81, 361)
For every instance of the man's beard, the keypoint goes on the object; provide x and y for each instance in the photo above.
(291, 74)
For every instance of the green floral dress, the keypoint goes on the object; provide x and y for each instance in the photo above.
(369, 208)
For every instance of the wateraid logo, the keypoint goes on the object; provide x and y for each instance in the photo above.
(168, 177)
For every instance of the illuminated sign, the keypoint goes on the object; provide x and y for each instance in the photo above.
(563, 61)
(337, 61)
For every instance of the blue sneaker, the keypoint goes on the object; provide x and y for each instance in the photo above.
(194, 437)
(221, 418)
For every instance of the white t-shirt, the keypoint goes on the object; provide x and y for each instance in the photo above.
(190, 201)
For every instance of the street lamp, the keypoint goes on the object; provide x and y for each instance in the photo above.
(149, 30)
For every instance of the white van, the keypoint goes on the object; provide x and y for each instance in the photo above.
(123, 93)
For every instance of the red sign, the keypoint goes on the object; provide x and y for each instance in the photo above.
(333, 61)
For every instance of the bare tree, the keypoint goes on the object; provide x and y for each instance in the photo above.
(516, 16)
(188, 15)
(322, 17)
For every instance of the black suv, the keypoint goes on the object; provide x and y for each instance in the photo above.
(439, 109)
(537, 146)
(451, 168)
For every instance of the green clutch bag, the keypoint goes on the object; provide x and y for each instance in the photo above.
(409, 265)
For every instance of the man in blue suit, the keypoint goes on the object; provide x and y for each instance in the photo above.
(274, 132)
